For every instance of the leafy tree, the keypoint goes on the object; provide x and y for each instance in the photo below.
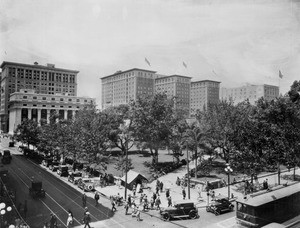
(221, 122)
(153, 118)
(27, 132)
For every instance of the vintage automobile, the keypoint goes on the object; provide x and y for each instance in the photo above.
(86, 184)
(63, 170)
(36, 190)
(220, 205)
(74, 177)
(180, 209)
(54, 166)
(6, 158)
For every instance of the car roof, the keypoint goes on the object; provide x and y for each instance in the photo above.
(183, 202)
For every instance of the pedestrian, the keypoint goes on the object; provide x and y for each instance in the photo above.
(267, 185)
(85, 211)
(129, 200)
(152, 203)
(141, 198)
(84, 200)
(167, 193)
(87, 220)
(157, 190)
(96, 197)
(70, 212)
(178, 181)
(161, 186)
(157, 203)
(126, 208)
(154, 196)
(113, 205)
(69, 220)
(25, 209)
(169, 201)
(53, 221)
(183, 193)
(138, 215)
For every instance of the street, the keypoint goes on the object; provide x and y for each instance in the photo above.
(62, 196)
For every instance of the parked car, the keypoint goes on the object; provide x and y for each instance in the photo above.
(63, 170)
(180, 209)
(6, 158)
(220, 205)
(86, 184)
(54, 166)
(74, 177)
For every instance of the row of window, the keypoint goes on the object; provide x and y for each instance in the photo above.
(55, 99)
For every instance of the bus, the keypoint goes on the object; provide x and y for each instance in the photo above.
(278, 204)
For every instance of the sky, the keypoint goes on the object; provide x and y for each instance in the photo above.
(231, 41)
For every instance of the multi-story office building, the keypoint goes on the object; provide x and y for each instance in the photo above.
(177, 87)
(123, 86)
(250, 92)
(27, 104)
(43, 79)
(203, 93)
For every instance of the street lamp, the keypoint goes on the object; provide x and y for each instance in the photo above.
(228, 170)
(3, 211)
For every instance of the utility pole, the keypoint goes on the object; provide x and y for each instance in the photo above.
(126, 165)
(188, 171)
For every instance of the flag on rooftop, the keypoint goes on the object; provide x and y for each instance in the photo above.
(147, 61)
(280, 74)
(184, 64)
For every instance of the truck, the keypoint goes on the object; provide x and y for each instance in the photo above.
(36, 190)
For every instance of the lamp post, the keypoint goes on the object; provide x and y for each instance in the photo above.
(228, 170)
(3, 211)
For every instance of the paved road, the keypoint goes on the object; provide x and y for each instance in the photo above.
(62, 196)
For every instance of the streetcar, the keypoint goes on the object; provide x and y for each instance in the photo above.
(279, 204)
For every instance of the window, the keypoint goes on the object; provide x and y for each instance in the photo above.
(61, 99)
(34, 98)
(44, 98)
(53, 98)
(24, 97)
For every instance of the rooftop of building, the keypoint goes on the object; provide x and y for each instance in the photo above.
(122, 72)
(37, 66)
(249, 85)
(206, 80)
(174, 75)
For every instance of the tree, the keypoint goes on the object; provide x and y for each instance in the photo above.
(221, 123)
(153, 118)
(27, 132)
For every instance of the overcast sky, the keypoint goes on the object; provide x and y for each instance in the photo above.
(232, 41)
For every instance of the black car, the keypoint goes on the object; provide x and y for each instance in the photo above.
(220, 205)
(180, 209)
(63, 170)
(6, 158)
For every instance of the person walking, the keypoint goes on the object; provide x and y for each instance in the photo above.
(126, 208)
(157, 203)
(113, 205)
(86, 210)
(84, 198)
(138, 214)
(169, 201)
(167, 193)
(161, 186)
(183, 193)
(129, 200)
(69, 220)
(53, 221)
(87, 220)
(96, 197)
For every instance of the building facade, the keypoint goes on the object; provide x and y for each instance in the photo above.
(123, 86)
(27, 104)
(43, 79)
(177, 87)
(203, 92)
(250, 92)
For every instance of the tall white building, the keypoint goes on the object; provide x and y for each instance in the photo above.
(250, 92)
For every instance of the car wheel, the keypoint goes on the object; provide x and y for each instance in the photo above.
(217, 212)
(166, 216)
(193, 214)
(207, 209)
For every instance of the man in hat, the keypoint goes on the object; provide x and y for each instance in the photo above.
(87, 220)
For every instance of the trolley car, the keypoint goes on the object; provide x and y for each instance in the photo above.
(279, 204)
